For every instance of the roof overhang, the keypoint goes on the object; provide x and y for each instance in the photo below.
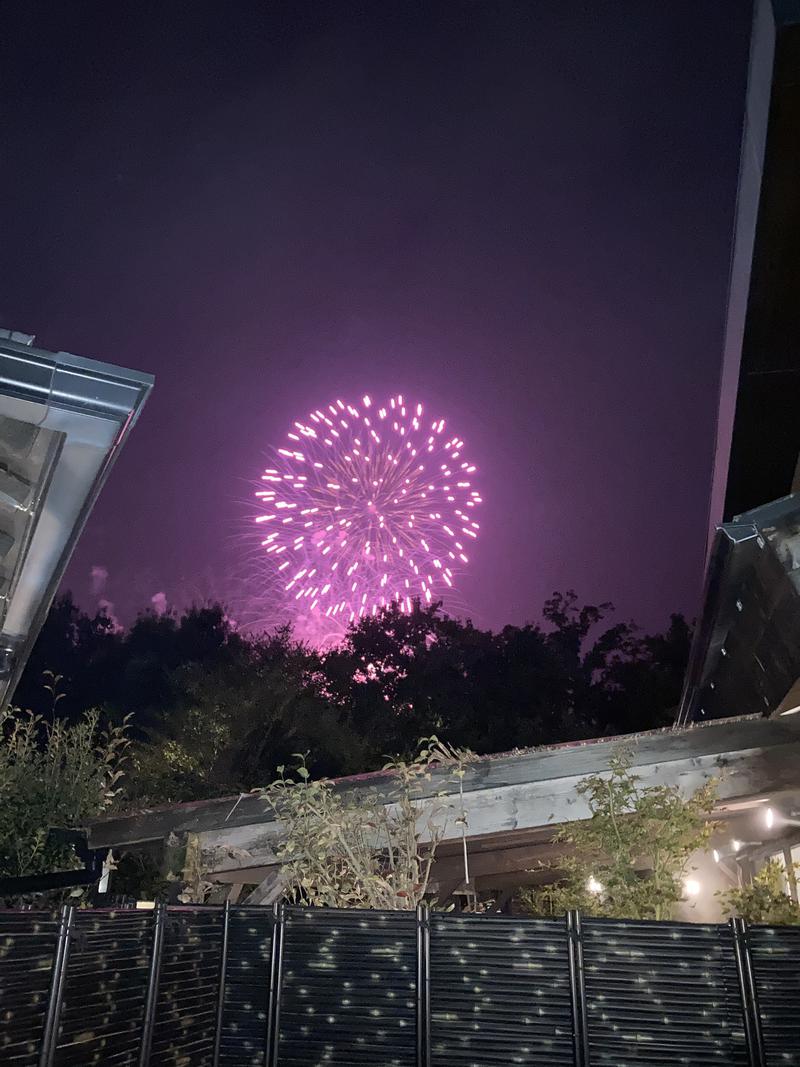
(63, 420)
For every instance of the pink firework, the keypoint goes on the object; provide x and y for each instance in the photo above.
(366, 506)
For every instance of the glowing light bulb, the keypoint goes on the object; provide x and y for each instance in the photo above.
(692, 887)
(593, 885)
(769, 818)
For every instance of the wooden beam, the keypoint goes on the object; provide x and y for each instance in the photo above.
(565, 763)
(240, 876)
(501, 861)
(268, 890)
(508, 800)
(234, 893)
(544, 804)
(513, 881)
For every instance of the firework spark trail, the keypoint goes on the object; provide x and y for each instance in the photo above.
(365, 506)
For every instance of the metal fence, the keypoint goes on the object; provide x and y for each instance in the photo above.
(295, 987)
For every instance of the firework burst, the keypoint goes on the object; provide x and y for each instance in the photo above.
(366, 505)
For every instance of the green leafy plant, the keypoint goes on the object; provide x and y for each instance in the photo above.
(362, 850)
(765, 900)
(629, 859)
(53, 774)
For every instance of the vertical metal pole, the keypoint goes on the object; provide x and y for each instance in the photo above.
(423, 986)
(49, 1043)
(275, 976)
(223, 974)
(755, 1007)
(580, 1024)
(426, 942)
(751, 1013)
(151, 999)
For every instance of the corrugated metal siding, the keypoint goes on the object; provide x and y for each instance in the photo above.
(106, 984)
(349, 989)
(499, 991)
(244, 1017)
(27, 948)
(185, 1022)
(776, 966)
(662, 994)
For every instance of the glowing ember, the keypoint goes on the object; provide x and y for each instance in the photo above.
(368, 505)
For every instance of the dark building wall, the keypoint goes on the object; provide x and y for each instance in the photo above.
(758, 436)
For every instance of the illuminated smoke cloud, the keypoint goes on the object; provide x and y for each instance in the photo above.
(366, 505)
(159, 602)
(99, 577)
(106, 609)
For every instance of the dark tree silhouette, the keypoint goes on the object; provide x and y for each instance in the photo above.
(214, 710)
(86, 651)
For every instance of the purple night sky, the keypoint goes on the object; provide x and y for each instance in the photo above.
(517, 212)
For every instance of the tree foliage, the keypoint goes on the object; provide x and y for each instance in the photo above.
(362, 849)
(52, 774)
(234, 720)
(629, 859)
(765, 900)
(213, 710)
(398, 676)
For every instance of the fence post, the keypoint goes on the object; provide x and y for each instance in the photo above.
(56, 996)
(223, 973)
(275, 979)
(580, 1025)
(423, 986)
(747, 988)
(151, 999)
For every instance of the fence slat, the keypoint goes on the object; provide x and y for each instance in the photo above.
(423, 990)
(245, 991)
(152, 986)
(669, 989)
(747, 988)
(275, 982)
(577, 984)
(28, 945)
(499, 991)
(223, 968)
(186, 1012)
(347, 995)
(56, 996)
(775, 956)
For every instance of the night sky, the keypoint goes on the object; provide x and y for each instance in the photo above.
(518, 213)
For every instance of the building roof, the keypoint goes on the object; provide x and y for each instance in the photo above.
(63, 420)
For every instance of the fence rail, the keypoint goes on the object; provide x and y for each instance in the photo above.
(295, 987)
